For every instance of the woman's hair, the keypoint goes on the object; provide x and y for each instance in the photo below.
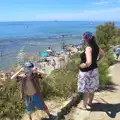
(92, 41)
(89, 38)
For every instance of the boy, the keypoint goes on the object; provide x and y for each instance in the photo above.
(30, 87)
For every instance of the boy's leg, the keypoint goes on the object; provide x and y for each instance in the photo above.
(45, 108)
(30, 117)
(29, 107)
(39, 103)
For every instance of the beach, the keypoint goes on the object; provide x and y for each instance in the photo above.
(36, 37)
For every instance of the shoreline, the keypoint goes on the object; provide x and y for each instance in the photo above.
(38, 46)
(44, 63)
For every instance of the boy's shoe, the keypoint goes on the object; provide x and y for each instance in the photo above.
(52, 116)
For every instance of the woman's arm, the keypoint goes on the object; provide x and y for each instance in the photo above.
(88, 53)
(101, 54)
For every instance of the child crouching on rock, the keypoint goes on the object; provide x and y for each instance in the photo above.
(30, 87)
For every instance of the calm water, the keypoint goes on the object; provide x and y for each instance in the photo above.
(37, 36)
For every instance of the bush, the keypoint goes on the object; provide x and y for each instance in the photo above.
(104, 65)
(109, 58)
(104, 77)
(75, 56)
(61, 84)
(11, 105)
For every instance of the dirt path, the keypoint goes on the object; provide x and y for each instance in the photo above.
(54, 107)
(108, 107)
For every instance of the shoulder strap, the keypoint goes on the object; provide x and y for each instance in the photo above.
(35, 81)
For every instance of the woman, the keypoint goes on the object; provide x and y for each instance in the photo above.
(88, 80)
(53, 63)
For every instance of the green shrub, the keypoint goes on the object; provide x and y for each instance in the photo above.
(11, 105)
(104, 65)
(104, 77)
(75, 56)
(109, 58)
(116, 41)
(61, 84)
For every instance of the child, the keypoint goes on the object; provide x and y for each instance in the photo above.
(30, 87)
(117, 51)
(53, 63)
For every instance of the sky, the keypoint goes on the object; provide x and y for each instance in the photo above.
(63, 10)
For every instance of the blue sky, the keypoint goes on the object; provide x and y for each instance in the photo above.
(45, 10)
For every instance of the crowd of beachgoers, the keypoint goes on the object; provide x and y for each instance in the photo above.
(48, 61)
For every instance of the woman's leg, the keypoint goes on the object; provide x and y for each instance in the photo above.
(85, 99)
(91, 96)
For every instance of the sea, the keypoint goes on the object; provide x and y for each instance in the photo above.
(37, 36)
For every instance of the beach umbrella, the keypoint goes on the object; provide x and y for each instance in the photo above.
(44, 55)
(79, 44)
(49, 50)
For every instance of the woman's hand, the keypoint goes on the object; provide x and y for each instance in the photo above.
(83, 65)
(101, 54)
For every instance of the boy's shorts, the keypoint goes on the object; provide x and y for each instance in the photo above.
(35, 101)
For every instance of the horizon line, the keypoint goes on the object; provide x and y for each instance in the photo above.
(63, 21)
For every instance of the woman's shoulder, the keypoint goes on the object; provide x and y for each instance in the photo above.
(88, 49)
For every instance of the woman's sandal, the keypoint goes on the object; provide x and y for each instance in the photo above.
(94, 101)
(84, 108)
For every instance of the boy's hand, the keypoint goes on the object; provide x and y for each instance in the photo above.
(38, 71)
(34, 69)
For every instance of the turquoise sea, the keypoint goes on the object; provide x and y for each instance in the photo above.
(36, 36)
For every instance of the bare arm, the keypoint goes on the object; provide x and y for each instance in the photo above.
(88, 54)
(38, 71)
(16, 74)
(101, 54)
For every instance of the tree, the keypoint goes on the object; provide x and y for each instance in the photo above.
(105, 34)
